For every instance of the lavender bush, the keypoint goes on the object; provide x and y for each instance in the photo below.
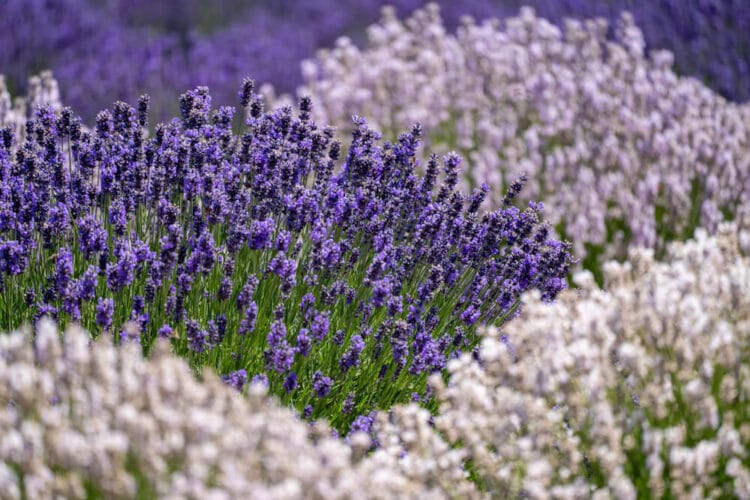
(621, 149)
(257, 254)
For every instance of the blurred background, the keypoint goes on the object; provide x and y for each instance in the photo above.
(105, 50)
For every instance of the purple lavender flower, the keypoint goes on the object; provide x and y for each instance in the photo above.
(13, 258)
(121, 273)
(338, 337)
(248, 322)
(104, 310)
(225, 289)
(351, 357)
(260, 234)
(165, 331)
(88, 284)
(290, 382)
(117, 216)
(321, 384)
(92, 236)
(304, 343)
(63, 270)
(319, 327)
(236, 379)
(281, 357)
(363, 423)
(348, 405)
(196, 336)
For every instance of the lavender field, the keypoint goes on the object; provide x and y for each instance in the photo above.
(481, 249)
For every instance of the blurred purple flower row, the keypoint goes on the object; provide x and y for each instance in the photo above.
(103, 50)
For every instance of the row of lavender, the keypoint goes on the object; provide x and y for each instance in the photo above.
(103, 50)
(640, 391)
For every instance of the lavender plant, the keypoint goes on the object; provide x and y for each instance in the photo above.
(342, 288)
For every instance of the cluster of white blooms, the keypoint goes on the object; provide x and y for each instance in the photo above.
(649, 378)
(42, 89)
(79, 416)
(619, 147)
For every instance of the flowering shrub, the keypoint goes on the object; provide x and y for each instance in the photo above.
(80, 420)
(257, 255)
(640, 389)
(621, 150)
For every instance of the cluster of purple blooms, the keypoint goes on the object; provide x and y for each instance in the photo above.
(260, 253)
(115, 49)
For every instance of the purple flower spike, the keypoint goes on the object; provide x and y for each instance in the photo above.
(104, 310)
(321, 384)
(236, 379)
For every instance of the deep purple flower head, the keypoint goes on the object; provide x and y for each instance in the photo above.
(117, 216)
(351, 357)
(338, 337)
(236, 379)
(320, 325)
(165, 331)
(225, 289)
(290, 382)
(88, 283)
(121, 273)
(306, 304)
(196, 336)
(363, 423)
(260, 234)
(43, 310)
(105, 308)
(58, 220)
(471, 314)
(348, 405)
(281, 357)
(92, 236)
(13, 257)
(248, 322)
(63, 270)
(321, 384)
(303, 342)
(381, 290)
